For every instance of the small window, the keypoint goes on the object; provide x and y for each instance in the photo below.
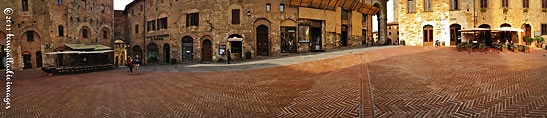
(364, 18)
(282, 8)
(268, 7)
(102, 8)
(427, 5)
(543, 29)
(454, 4)
(84, 33)
(411, 6)
(24, 4)
(162, 23)
(59, 2)
(30, 36)
(235, 16)
(153, 24)
(192, 19)
(60, 30)
(484, 3)
(504, 3)
(526, 3)
(136, 29)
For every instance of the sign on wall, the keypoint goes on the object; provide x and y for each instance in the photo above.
(537, 33)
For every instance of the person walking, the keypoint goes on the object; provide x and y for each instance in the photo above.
(137, 63)
(116, 61)
(130, 64)
(229, 56)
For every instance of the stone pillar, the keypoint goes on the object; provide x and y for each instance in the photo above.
(382, 24)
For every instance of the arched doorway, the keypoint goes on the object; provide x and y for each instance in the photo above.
(166, 51)
(207, 50)
(486, 36)
(455, 34)
(262, 46)
(137, 51)
(506, 36)
(153, 55)
(527, 32)
(38, 59)
(236, 46)
(27, 63)
(187, 49)
(428, 35)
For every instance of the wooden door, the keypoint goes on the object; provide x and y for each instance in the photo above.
(206, 50)
(428, 35)
(39, 59)
(262, 46)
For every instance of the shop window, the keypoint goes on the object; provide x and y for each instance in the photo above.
(268, 7)
(192, 19)
(504, 3)
(411, 6)
(427, 5)
(30, 36)
(282, 8)
(24, 4)
(484, 3)
(235, 16)
(59, 2)
(60, 30)
(454, 4)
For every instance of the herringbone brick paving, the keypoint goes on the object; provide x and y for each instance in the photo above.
(405, 82)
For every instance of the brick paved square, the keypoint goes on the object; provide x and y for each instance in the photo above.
(404, 82)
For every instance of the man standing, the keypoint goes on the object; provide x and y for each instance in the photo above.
(137, 63)
(229, 56)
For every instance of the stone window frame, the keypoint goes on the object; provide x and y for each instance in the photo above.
(427, 6)
(413, 6)
(162, 23)
(192, 19)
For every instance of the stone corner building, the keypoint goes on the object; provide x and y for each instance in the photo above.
(42, 26)
(175, 31)
(422, 22)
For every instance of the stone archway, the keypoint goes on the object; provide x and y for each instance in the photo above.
(262, 45)
(166, 52)
(382, 22)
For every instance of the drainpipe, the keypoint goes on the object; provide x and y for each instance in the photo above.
(144, 34)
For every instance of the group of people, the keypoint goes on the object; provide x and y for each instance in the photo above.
(133, 63)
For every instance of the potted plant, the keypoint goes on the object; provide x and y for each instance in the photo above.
(515, 48)
(525, 9)
(527, 49)
(528, 40)
(469, 47)
(459, 47)
(504, 48)
(540, 41)
(482, 47)
(544, 10)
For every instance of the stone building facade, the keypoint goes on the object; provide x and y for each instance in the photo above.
(42, 26)
(424, 22)
(393, 33)
(203, 30)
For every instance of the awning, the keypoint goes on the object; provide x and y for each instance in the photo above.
(354, 5)
(81, 52)
(87, 47)
(475, 29)
(508, 29)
